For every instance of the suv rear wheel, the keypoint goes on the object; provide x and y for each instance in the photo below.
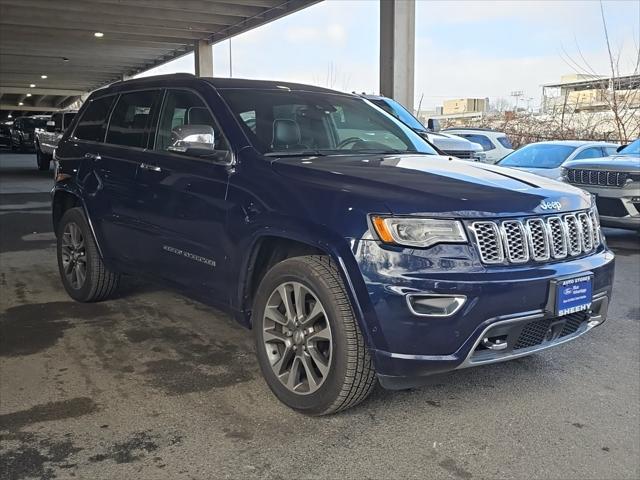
(83, 273)
(310, 348)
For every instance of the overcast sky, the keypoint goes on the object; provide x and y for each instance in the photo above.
(463, 48)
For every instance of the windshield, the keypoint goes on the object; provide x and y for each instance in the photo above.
(632, 149)
(29, 124)
(294, 122)
(398, 111)
(538, 155)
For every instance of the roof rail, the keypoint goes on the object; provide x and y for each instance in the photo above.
(481, 129)
(166, 75)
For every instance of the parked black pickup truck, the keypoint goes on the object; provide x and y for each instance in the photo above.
(47, 138)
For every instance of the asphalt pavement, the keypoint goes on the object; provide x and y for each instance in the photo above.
(154, 385)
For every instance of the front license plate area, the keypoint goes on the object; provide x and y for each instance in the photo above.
(573, 294)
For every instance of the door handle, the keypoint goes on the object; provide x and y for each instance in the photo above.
(151, 168)
(92, 156)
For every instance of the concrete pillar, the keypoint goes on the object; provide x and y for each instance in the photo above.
(397, 50)
(203, 58)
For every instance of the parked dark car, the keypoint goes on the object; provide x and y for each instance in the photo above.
(5, 135)
(615, 181)
(23, 132)
(326, 225)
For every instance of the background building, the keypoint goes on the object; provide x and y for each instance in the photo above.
(579, 92)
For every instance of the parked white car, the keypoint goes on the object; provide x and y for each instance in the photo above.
(447, 143)
(546, 158)
(496, 145)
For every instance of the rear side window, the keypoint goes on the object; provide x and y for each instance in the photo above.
(505, 142)
(94, 120)
(131, 119)
(594, 152)
(482, 140)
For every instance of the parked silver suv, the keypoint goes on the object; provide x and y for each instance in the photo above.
(615, 181)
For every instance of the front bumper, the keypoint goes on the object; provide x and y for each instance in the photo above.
(618, 207)
(407, 347)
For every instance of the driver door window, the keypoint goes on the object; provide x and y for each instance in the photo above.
(182, 109)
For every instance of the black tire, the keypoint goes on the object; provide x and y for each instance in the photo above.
(99, 283)
(44, 161)
(351, 377)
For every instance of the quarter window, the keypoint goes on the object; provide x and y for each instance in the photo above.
(68, 118)
(94, 119)
(57, 120)
(187, 127)
(131, 119)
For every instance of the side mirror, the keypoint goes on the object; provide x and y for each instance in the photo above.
(433, 125)
(620, 148)
(51, 126)
(196, 141)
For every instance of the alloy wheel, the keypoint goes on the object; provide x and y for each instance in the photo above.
(297, 338)
(74, 260)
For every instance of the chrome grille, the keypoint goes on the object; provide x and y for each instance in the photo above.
(515, 241)
(536, 239)
(539, 242)
(602, 178)
(489, 242)
(460, 153)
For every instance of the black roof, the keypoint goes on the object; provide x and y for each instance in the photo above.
(218, 83)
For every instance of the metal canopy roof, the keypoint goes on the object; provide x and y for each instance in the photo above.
(56, 38)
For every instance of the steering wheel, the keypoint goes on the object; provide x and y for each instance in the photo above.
(348, 141)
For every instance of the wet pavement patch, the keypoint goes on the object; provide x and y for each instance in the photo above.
(36, 459)
(72, 408)
(179, 377)
(132, 449)
(31, 328)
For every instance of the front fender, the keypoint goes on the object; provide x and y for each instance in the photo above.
(340, 251)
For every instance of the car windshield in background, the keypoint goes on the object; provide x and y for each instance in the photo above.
(538, 156)
(398, 111)
(505, 142)
(294, 122)
(632, 149)
(30, 124)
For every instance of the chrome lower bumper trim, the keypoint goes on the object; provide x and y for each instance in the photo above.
(597, 316)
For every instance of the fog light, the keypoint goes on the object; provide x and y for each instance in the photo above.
(432, 305)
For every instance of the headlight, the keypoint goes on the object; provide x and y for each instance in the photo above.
(563, 172)
(418, 232)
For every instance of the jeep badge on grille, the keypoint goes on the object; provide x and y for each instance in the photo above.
(546, 205)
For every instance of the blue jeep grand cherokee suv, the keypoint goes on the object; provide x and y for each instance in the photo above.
(336, 233)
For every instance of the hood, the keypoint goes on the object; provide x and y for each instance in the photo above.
(451, 143)
(626, 163)
(552, 173)
(433, 185)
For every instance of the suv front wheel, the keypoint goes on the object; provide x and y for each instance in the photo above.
(43, 160)
(83, 273)
(310, 348)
